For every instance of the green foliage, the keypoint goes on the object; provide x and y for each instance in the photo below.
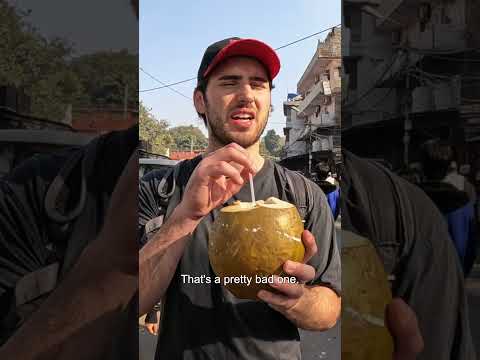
(36, 65)
(185, 137)
(273, 143)
(153, 131)
(106, 76)
(45, 71)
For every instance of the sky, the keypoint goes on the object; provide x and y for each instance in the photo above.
(88, 25)
(175, 34)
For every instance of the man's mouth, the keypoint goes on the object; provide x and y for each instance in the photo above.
(242, 118)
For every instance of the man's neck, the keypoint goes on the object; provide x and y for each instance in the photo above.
(254, 151)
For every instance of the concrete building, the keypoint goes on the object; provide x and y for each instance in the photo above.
(313, 114)
(407, 66)
(103, 120)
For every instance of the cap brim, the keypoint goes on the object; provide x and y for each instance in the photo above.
(251, 48)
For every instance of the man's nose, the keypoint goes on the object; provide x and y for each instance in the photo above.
(246, 94)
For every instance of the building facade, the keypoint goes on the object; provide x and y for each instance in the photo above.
(313, 114)
(407, 74)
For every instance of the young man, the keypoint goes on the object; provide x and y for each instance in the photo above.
(233, 97)
(412, 239)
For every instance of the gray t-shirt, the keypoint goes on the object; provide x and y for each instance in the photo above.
(206, 321)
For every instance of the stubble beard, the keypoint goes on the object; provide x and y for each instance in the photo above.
(222, 137)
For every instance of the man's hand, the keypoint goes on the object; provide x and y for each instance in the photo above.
(314, 308)
(403, 326)
(289, 294)
(152, 328)
(216, 179)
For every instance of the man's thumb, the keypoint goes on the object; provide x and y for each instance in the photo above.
(403, 325)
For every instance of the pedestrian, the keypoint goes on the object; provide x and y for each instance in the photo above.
(446, 189)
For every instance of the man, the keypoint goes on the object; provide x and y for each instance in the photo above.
(327, 183)
(412, 240)
(233, 97)
(447, 192)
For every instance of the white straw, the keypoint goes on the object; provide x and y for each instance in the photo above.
(251, 188)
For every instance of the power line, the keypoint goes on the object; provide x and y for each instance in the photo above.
(278, 48)
(168, 85)
(161, 82)
(307, 37)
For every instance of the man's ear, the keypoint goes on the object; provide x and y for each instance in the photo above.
(199, 102)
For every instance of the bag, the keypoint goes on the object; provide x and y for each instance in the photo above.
(293, 182)
(155, 190)
(53, 206)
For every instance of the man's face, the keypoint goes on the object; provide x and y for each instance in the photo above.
(236, 102)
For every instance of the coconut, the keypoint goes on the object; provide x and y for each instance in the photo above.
(365, 293)
(253, 240)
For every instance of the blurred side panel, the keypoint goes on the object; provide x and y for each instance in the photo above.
(410, 135)
(68, 128)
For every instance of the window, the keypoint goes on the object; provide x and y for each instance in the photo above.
(351, 70)
(353, 21)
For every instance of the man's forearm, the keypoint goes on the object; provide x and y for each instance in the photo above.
(317, 310)
(159, 258)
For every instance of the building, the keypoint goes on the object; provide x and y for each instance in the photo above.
(102, 120)
(313, 114)
(407, 68)
(184, 155)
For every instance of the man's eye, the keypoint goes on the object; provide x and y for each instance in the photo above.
(258, 85)
(228, 84)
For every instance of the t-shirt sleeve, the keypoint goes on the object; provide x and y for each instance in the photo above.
(326, 261)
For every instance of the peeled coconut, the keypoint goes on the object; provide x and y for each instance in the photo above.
(254, 239)
(365, 293)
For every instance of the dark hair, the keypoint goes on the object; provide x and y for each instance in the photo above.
(436, 157)
(322, 170)
(202, 87)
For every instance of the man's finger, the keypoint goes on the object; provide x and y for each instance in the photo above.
(310, 245)
(232, 154)
(276, 300)
(289, 289)
(403, 326)
(303, 273)
(221, 168)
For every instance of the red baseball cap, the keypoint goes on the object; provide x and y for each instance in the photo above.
(224, 49)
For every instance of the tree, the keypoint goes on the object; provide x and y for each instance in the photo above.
(263, 149)
(105, 76)
(153, 131)
(45, 71)
(186, 137)
(36, 65)
(273, 143)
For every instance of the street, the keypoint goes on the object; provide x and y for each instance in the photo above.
(315, 345)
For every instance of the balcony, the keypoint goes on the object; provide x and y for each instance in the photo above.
(396, 13)
(324, 120)
(312, 98)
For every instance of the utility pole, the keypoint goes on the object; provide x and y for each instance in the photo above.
(125, 100)
(407, 123)
(309, 149)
